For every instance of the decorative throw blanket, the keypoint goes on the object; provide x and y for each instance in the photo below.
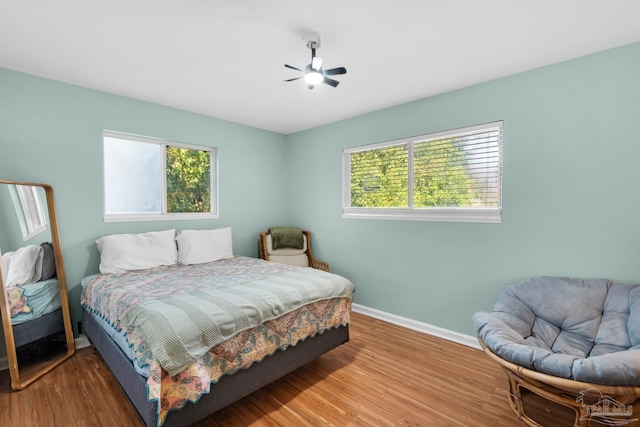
(17, 301)
(286, 237)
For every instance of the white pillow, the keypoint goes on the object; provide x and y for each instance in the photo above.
(200, 246)
(23, 266)
(120, 253)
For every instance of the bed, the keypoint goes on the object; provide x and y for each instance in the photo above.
(43, 315)
(185, 339)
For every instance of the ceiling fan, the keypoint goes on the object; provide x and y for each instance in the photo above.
(314, 74)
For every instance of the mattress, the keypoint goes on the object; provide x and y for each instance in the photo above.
(41, 298)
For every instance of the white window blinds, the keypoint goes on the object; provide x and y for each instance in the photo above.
(451, 176)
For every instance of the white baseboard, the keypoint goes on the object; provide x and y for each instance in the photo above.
(426, 328)
(81, 342)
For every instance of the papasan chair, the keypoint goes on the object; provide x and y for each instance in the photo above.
(572, 341)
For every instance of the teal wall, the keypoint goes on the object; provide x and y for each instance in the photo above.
(571, 192)
(51, 132)
(10, 231)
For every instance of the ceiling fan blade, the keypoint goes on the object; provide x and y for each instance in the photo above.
(316, 63)
(334, 71)
(292, 67)
(331, 82)
(295, 78)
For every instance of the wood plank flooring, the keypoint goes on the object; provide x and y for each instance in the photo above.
(385, 376)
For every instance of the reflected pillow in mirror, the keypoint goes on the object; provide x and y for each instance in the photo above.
(200, 246)
(22, 266)
(120, 253)
(48, 262)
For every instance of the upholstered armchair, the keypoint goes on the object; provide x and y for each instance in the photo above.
(298, 257)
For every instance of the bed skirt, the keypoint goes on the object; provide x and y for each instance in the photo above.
(227, 390)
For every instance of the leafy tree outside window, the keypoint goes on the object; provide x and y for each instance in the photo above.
(188, 180)
(379, 178)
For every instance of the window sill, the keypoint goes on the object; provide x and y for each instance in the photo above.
(475, 215)
(34, 233)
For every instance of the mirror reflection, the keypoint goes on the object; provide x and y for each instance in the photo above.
(35, 311)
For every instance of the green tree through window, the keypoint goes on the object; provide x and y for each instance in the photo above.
(379, 178)
(188, 180)
(440, 175)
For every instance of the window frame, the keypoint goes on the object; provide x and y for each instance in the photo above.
(164, 215)
(443, 214)
(31, 229)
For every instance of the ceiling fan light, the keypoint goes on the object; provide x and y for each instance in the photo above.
(316, 63)
(313, 78)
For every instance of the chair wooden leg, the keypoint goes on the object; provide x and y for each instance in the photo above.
(515, 397)
(577, 402)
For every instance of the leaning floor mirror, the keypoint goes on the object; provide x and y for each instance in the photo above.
(34, 303)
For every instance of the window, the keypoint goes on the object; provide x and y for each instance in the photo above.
(147, 179)
(446, 176)
(32, 220)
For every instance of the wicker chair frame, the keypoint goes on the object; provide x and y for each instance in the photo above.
(313, 262)
(581, 397)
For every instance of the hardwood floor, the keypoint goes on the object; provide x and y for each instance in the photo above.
(385, 376)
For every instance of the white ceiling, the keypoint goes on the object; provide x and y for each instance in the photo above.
(225, 58)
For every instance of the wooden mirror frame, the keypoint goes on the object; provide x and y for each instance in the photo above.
(20, 380)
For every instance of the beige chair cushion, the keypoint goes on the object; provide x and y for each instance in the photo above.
(298, 260)
(285, 251)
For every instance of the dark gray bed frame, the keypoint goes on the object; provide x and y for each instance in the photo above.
(39, 328)
(227, 390)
